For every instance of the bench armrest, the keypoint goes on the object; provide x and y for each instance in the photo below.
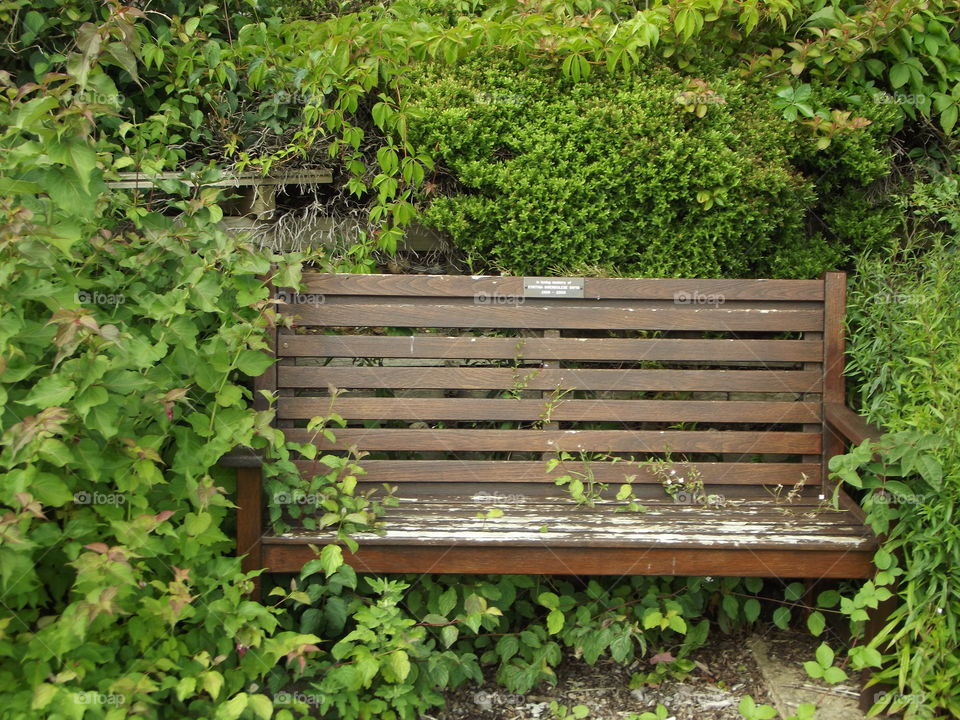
(848, 424)
(241, 457)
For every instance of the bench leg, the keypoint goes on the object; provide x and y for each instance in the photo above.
(250, 522)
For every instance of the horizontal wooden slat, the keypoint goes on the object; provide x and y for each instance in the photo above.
(519, 471)
(611, 349)
(674, 526)
(542, 559)
(614, 288)
(544, 315)
(651, 493)
(291, 408)
(728, 441)
(532, 378)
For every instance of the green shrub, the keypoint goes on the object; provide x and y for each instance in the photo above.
(905, 358)
(656, 174)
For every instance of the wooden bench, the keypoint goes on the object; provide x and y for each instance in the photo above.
(461, 389)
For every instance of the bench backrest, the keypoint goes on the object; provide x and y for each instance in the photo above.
(453, 381)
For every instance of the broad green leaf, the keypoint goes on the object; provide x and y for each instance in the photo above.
(816, 623)
(53, 390)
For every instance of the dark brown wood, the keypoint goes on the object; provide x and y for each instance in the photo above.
(250, 522)
(588, 561)
(716, 411)
(535, 378)
(439, 525)
(834, 308)
(517, 471)
(847, 423)
(456, 441)
(691, 290)
(612, 349)
(545, 315)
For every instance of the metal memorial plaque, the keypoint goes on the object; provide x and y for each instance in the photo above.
(537, 287)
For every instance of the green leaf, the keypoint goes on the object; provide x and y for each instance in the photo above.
(232, 709)
(399, 663)
(555, 621)
(53, 390)
(834, 675)
(781, 617)
(549, 600)
(899, 75)
(816, 623)
(253, 363)
(948, 119)
(824, 655)
(449, 635)
(751, 609)
(186, 687)
(261, 706)
(447, 601)
(507, 647)
(331, 558)
(212, 683)
(77, 154)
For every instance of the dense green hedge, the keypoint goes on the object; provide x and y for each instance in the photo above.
(623, 175)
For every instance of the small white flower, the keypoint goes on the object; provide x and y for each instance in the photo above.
(673, 472)
(940, 610)
(820, 496)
